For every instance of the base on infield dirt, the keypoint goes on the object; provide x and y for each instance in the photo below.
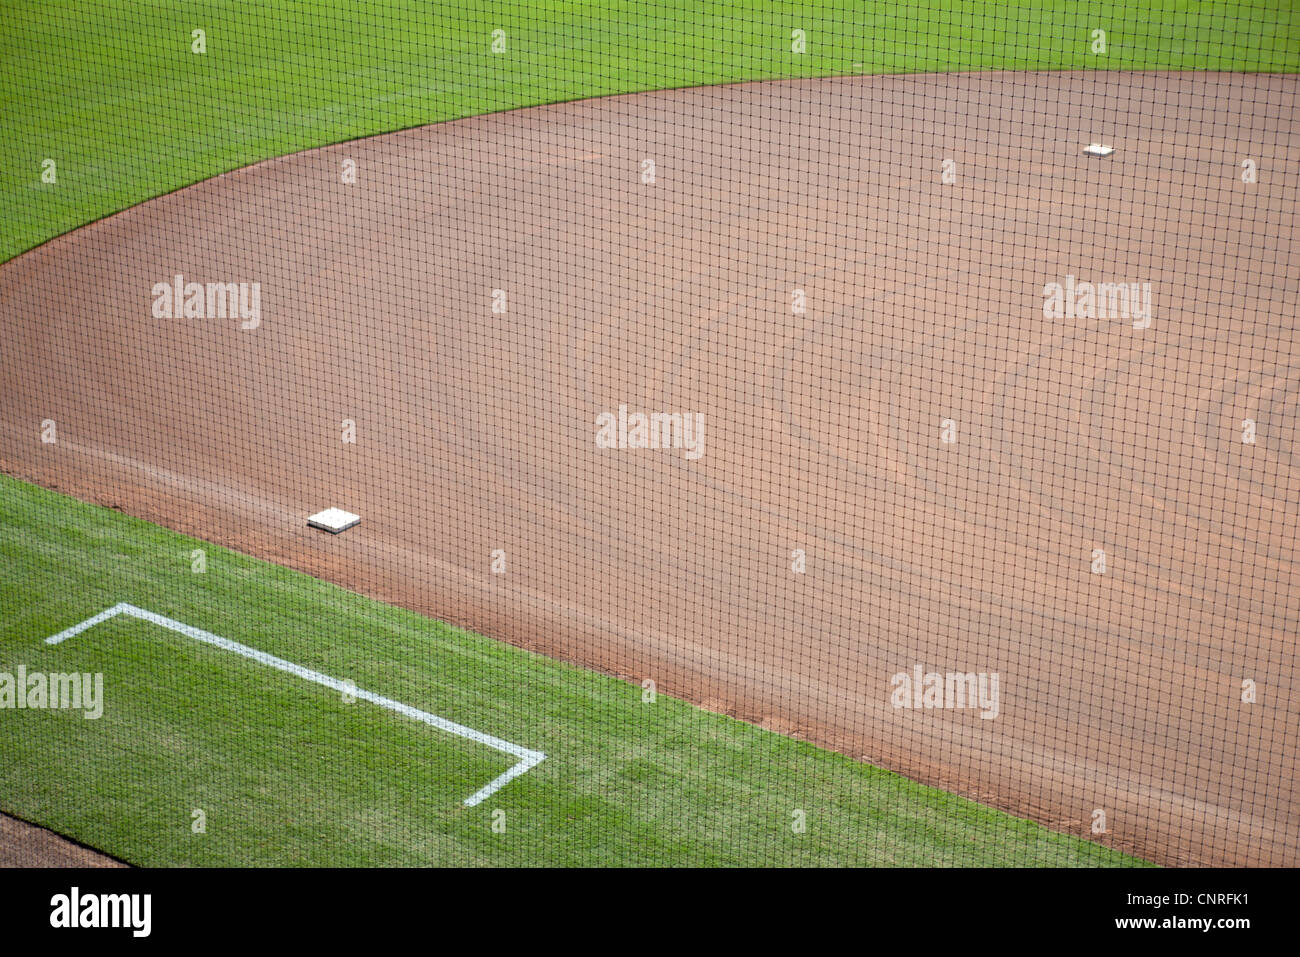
(333, 520)
(1097, 149)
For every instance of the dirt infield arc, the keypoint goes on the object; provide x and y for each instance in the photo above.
(1119, 692)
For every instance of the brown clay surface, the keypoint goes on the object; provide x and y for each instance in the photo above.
(476, 431)
(26, 845)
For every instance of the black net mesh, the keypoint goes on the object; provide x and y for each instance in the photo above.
(781, 434)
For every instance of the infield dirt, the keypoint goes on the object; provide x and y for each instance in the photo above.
(475, 431)
(26, 845)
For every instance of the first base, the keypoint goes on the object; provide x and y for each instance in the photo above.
(1096, 149)
(333, 520)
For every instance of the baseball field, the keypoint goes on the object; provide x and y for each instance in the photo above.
(481, 235)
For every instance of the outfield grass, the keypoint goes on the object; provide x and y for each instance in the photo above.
(111, 92)
(287, 772)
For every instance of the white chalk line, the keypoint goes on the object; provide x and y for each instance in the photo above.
(526, 759)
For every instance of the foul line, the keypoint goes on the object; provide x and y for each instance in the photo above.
(526, 759)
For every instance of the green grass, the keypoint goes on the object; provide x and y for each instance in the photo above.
(286, 772)
(111, 92)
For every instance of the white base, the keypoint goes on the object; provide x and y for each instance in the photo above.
(333, 520)
(1096, 149)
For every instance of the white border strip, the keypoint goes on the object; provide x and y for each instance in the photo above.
(526, 759)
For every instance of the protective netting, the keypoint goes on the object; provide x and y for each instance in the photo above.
(794, 363)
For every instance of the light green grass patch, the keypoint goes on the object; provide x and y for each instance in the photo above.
(286, 772)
